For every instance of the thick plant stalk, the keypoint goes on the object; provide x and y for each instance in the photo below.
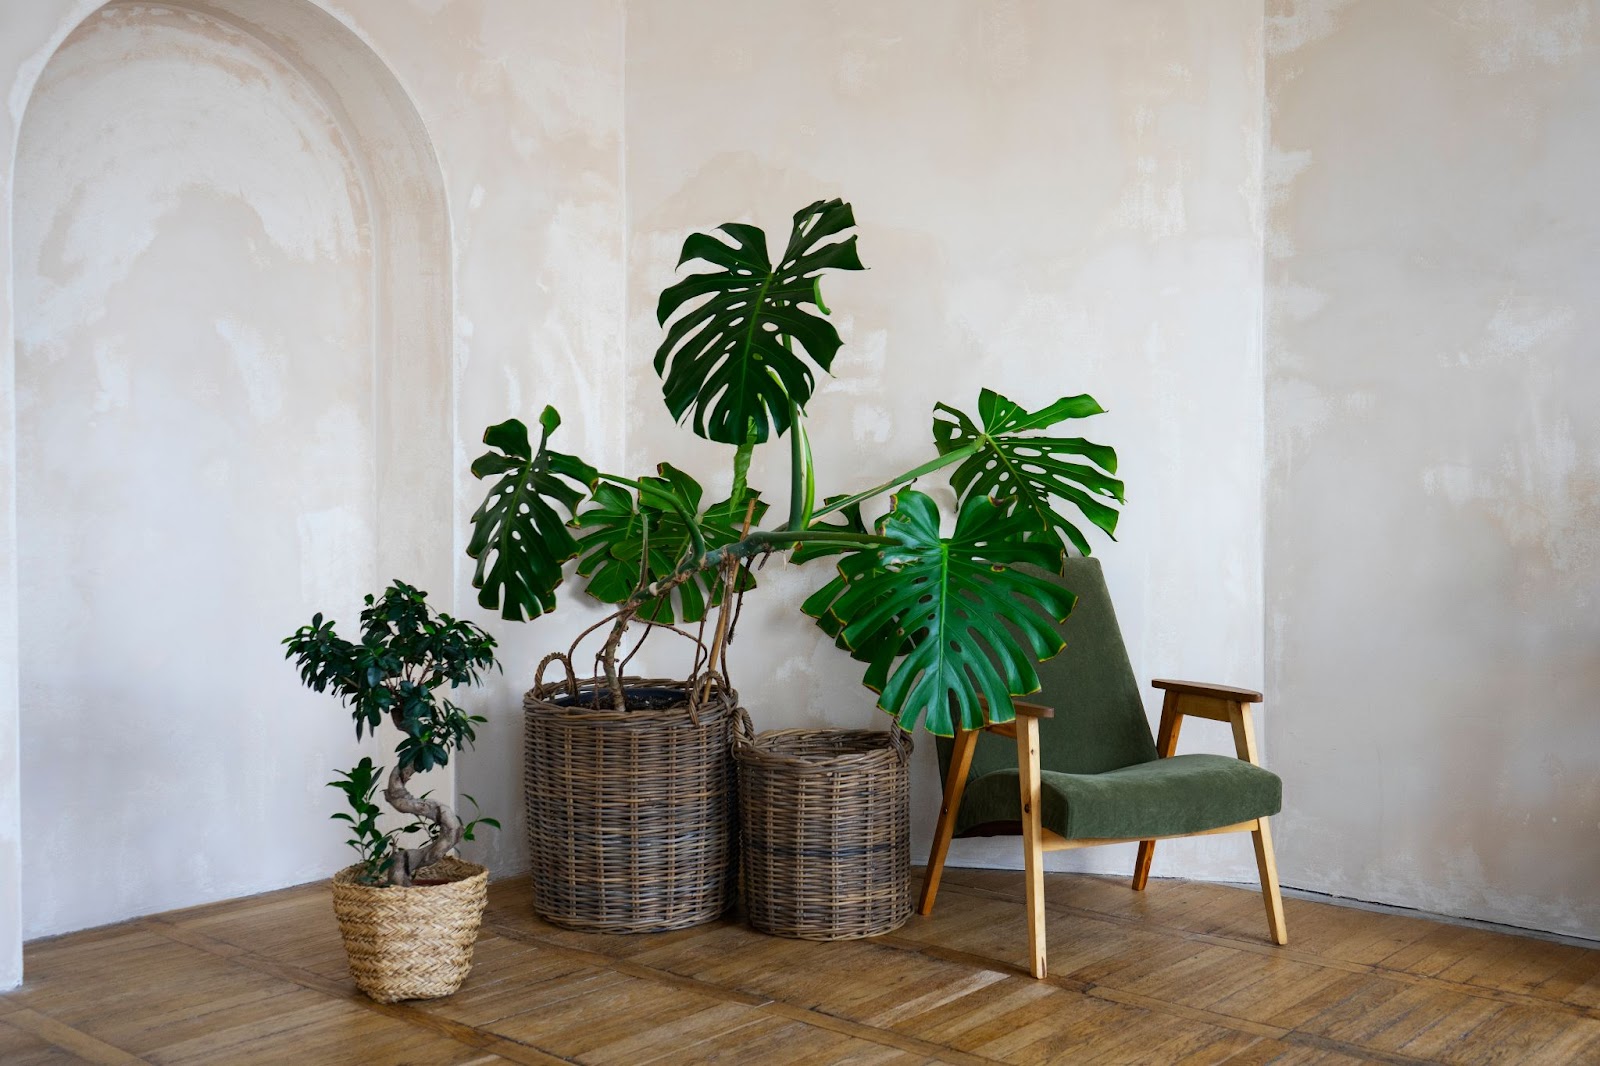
(407, 861)
(608, 654)
(747, 546)
(730, 567)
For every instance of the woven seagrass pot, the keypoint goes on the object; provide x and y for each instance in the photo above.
(414, 942)
(825, 830)
(630, 813)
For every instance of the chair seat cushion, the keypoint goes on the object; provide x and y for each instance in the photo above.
(1165, 797)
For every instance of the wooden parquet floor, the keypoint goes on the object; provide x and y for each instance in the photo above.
(1180, 973)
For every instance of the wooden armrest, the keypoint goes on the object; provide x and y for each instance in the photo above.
(1024, 710)
(1215, 692)
(1220, 703)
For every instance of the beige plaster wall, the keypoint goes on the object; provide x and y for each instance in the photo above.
(1433, 500)
(520, 103)
(1054, 197)
(194, 278)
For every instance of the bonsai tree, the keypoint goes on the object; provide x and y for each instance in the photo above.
(407, 659)
(937, 621)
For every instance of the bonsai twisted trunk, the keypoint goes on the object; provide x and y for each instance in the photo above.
(408, 861)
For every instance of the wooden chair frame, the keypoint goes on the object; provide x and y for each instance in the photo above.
(1183, 699)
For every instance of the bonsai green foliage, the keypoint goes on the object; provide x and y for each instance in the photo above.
(937, 620)
(375, 846)
(408, 656)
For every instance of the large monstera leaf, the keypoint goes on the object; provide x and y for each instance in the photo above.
(518, 538)
(941, 621)
(738, 359)
(622, 526)
(1013, 460)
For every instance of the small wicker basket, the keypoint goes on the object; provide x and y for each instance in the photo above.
(825, 828)
(630, 813)
(414, 942)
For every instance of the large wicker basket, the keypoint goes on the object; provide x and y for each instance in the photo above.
(414, 942)
(825, 831)
(630, 813)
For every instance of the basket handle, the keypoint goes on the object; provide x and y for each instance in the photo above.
(744, 731)
(572, 678)
(900, 740)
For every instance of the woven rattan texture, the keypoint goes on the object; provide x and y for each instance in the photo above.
(825, 831)
(416, 942)
(630, 814)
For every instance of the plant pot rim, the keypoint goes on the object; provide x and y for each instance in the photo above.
(557, 700)
(458, 871)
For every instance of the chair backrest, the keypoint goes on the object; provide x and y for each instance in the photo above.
(1099, 723)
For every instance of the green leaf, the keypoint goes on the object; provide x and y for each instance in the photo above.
(613, 547)
(849, 520)
(1013, 462)
(735, 359)
(941, 621)
(518, 538)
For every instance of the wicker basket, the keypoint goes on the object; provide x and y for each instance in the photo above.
(630, 813)
(825, 828)
(415, 942)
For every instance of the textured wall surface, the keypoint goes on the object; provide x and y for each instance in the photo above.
(195, 425)
(517, 108)
(1054, 198)
(522, 100)
(1433, 516)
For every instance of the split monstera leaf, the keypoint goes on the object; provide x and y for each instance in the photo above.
(938, 620)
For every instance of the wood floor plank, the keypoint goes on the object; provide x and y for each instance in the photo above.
(944, 1024)
(1282, 1053)
(582, 1027)
(1525, 1034)
(19, 1047)
(867, 1034)
(1023, 1020)
(704, 1022)
(782, 1042)
(330, 1034)
(81, 1045)
(1181, 973)
(1422, 1024)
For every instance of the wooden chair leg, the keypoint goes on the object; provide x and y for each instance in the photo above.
(1267, 864)
(1032, 839)
(955, 784)
(1244, 739)
(1166, 746)
(1141, 865)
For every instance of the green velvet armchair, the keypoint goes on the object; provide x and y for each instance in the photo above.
(1085, 770)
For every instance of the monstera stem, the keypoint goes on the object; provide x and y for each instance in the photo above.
(955, 455)
(747, 547)
(407, 861)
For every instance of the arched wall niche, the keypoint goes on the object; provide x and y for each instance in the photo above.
(201, 463)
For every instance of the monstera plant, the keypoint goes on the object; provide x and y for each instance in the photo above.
(938, 620)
